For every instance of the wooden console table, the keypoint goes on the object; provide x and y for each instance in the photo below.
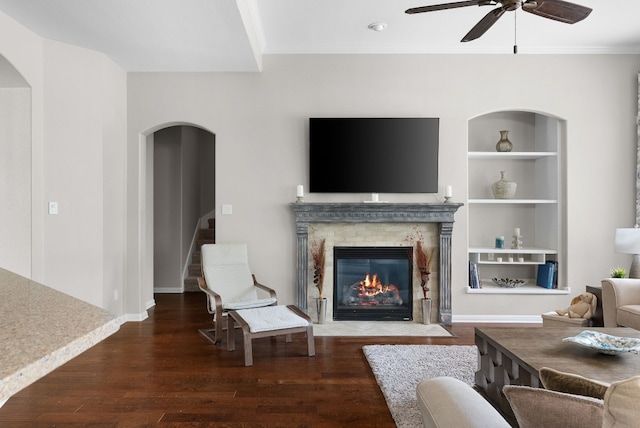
(514, 356)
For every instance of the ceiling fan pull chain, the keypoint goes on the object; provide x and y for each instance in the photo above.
(515, 32)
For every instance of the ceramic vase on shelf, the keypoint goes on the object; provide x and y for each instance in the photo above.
(504, 145)
(503, 188)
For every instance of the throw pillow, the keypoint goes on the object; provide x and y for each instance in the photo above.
(537, 407)
(572, 384)
(622, 404)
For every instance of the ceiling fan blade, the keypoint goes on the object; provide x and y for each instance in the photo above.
(453, 5)
(558, 10)
(484, 24)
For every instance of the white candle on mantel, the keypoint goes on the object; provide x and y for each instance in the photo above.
(374, 197)
(448, 192)
(516, 231)
(300, 191)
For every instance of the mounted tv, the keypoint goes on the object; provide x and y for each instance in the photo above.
(373, 155)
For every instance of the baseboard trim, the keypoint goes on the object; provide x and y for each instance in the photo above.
(498, 319)
(168, 290)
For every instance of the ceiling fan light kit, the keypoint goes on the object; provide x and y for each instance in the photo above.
(558, 10)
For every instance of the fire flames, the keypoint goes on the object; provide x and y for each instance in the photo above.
(371, 287)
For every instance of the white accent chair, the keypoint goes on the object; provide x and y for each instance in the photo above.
(229, 285)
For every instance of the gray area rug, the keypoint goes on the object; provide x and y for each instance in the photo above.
(399, 368)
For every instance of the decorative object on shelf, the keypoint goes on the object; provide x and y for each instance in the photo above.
(504, 145)
(317, 254)
(628, 242)
(618, 272)
(545, 278)
(509, 282)
(503, 188)
(426, 310)
(448, 194)
(605, 343)
(499, 241)
(516, 242)
(474, 279)
(299, 194)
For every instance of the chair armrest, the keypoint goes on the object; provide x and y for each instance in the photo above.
(212, 296)
(271, 291)
(618, 292)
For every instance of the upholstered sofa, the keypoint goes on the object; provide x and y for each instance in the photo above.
(621, 302)
(566, 401)
(449, 402)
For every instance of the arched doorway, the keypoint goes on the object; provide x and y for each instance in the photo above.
(183, 201)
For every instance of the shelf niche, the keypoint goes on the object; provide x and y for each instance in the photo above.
(536, 165)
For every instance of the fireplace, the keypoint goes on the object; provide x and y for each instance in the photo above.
(377, 215)
(372, 283)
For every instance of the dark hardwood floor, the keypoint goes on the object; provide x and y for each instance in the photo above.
(162, 372)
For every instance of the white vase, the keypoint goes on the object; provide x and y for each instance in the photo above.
(503, 188)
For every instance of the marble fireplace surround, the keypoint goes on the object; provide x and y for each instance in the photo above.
(383, 212)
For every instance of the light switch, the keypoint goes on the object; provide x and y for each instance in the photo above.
(227, 209)
(53, 208)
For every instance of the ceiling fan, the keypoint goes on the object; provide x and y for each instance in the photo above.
(558, 10)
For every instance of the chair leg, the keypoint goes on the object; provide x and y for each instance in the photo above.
(214, 335)
(311, 347)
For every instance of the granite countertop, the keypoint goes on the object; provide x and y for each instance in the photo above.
(41, 329)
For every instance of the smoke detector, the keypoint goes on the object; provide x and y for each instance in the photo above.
(378, 26)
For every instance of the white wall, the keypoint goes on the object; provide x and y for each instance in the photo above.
(15, 179)
(260, 122)
(78, 123)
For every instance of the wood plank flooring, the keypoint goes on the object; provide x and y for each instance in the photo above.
(162, 373)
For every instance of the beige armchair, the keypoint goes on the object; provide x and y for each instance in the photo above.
(621, 302)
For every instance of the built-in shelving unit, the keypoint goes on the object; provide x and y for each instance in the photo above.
(535, 164)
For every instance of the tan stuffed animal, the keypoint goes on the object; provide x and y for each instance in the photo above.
(582, 306)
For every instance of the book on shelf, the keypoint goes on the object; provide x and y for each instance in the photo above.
(545, 275)
(555, 273)
(474, 279)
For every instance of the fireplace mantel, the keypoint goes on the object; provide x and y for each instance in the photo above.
(381, 212)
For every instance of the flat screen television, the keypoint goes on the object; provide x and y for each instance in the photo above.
(373, 155)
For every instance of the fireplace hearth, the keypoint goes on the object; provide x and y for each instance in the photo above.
(372, 283)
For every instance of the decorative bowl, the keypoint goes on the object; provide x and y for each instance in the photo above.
(509, 282)
(605, 343)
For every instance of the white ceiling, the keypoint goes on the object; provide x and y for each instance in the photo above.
(232, 35)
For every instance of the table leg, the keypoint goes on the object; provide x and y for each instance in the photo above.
(311, 347)
(248, 349)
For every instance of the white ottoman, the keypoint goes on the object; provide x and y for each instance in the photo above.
(265, 322)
